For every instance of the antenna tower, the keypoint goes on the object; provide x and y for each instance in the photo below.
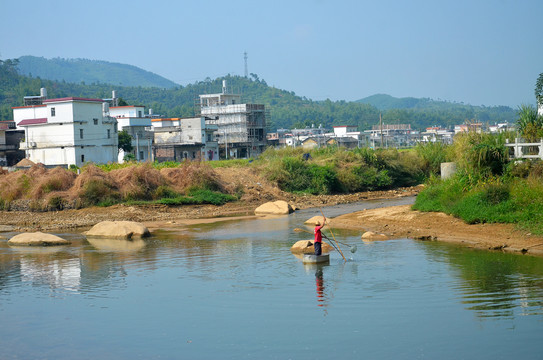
(246, 69)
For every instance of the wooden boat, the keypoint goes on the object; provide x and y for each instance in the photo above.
(315, 259)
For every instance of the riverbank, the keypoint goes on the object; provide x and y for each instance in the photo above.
(394, 221)
(87, 217)
(401, 222)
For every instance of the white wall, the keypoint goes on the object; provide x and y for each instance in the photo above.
(127, 111)
(29, 112)
(59, 141)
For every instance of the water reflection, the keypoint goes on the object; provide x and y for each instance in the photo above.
(494, 284)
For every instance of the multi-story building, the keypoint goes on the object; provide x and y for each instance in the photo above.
(10, 140)
(67, 131)
(241, 128)
(137, 124)
(177, 139)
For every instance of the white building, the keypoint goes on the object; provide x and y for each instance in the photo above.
(176, 139)
(68, 131)
(137, 124)
(241, 128)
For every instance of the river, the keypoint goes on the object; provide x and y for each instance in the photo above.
(233, 290)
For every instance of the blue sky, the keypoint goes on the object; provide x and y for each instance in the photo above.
(479, 52)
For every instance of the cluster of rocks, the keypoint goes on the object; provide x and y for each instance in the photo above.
(126, 230)
(131, 230)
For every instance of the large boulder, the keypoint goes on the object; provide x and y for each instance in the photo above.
(119, 230)
(279, 207)
(370, 235)
(37, 239)
(306, 247)
(314, 219)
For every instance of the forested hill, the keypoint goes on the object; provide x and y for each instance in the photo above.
(90, 71)
(288, 110)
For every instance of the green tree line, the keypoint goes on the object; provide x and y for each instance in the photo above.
(287, 109)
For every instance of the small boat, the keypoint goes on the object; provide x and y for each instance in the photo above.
(315, 259)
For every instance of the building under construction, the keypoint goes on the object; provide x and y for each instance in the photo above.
(241, 127)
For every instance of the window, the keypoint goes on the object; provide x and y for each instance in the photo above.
(95, 121)
(109, 133)
(81, 133)
(52, 111)
(82, 158)
(141, 155)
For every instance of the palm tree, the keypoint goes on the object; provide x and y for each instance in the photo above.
(530, 124)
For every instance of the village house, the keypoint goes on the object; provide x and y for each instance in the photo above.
(137, 124)
(314, 142)
(67, 131)
(241, 128)
(177, 139)
(391, 135)
(10, 140)
(343, 141)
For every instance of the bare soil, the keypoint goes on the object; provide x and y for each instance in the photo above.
(395, 222)
(401, 221)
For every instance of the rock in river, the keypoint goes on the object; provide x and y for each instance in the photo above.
(119, 230)
(37, 239)
(370, 235)
(306, 247)
(278, 207)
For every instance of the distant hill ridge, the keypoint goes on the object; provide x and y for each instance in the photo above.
(287, 110)
(90, 72)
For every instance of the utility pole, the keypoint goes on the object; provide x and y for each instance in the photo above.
(381, 127)
(226, 144)
(246, 69)
(137, 147)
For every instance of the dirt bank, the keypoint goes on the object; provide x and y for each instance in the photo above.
(401, 221)
(255, 195)
(396, 222)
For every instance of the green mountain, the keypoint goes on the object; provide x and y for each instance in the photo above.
(90, 72)
(387, 102)
(287, 109)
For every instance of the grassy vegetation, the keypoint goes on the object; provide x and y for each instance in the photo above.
(336, 170)
(487, 187)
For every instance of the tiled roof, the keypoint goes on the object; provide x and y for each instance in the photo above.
(32, 121)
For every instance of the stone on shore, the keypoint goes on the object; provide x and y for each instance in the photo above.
(306, 247)
(279, 207)
(119, 230)
(370, 235)
(37, 239)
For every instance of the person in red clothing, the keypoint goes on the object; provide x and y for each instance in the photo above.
(318, 236)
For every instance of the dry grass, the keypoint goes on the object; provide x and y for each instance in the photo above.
(57, 188)
(57, 179)
(137, 182)
(192, 175)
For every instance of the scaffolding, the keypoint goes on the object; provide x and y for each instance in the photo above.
(241, 127)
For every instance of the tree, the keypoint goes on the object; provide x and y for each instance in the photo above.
(539, 90)
(125, 141)
(530, 124)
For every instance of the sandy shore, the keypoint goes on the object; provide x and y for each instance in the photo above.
(401, 221)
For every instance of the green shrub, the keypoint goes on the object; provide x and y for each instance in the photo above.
(432, 154)
(97, 191)
(164, 191)
(199, 196)
(56, 203)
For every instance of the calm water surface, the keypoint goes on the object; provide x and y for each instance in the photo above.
(233, 290)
